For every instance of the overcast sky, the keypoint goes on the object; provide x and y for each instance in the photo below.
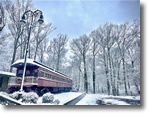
(78, 17)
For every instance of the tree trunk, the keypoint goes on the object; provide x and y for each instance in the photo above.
(29, 52)
(94, 75)
(14, 53)
(24, 49)
(79, 79)
(21, 49)
(106, 72)
(110, 71)
(125, 85)
(114, 76)
(58, 62)
(35, 52)
(128, 84)
(118, 79)
(53, 60)
(137, 87)
(85, 75)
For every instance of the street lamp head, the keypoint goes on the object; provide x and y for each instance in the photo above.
(41, 19)
(23, 17)
(22, 21)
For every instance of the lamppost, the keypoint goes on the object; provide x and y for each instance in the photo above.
(30, 19)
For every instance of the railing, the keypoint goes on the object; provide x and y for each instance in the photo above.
(31, 80)
(27, 80)
(5, 100)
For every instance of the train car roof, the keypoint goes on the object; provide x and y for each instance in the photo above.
(31, 62)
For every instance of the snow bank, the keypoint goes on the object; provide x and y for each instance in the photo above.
(114, 102)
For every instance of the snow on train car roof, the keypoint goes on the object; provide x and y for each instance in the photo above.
(18, 62)
(33, 62)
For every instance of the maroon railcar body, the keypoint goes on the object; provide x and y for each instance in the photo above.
(39, 78)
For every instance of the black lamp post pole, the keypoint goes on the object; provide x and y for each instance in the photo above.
(25, 60)
(35, 13)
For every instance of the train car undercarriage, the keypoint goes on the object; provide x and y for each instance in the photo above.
(41, 90)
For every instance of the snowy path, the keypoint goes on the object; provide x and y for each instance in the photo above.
(65, 97)
(75, 100)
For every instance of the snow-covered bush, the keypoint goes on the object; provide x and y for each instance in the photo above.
(30, 97)
(4, 102)
(47, 98)
(56, 102)
(4, 93)
(15, 95)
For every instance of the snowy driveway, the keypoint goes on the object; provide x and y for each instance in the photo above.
(65, 97)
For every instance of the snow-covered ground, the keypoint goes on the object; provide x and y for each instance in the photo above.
(62, 97)
(65, 97)
(91, 99)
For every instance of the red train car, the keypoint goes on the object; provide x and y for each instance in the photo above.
(39, 78)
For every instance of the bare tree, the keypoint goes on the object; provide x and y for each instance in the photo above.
(42, 50)
(82, 45)
(39, 34)
(51, 55)
(14, 12)
(2, 17)
(3, 38)
(95, 49)
(57, 49)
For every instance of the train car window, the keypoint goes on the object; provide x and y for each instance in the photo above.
(52, 77)
(42, 74)
(57, 78)
(27, 72)
(20, 73)
(46, 75)
(34, 72)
